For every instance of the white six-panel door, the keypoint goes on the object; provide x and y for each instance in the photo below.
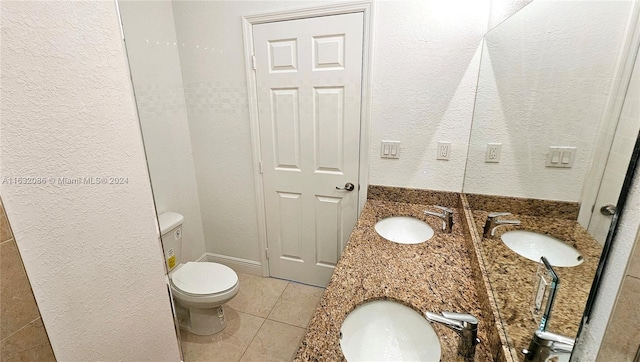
(308, 76)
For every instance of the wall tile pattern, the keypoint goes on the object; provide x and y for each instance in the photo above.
(22, 333)
(622, 337)
(160, 99)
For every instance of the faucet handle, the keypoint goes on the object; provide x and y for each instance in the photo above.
(465, 325)
(435, 317)
(462, 317)
(498, 214)
(455, 320)
(544, 342)
(554, 337)
(445, 209)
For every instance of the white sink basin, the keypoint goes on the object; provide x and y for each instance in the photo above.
(404, 230)
(388, 331)
(532, 246)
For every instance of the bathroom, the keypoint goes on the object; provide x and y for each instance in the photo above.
(69, 111)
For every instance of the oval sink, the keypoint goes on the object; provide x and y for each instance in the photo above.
(532, 246)
(383, 330)
(404, 230)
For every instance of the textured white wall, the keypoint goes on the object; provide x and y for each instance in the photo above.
(91, 251)
(425, 69)
(501, 10)
(155, 68)
(544, 81)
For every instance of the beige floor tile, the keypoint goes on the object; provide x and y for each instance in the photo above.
(296, 305)
(242, 326)
(228, 345)
(275, 341)
(17, 305)
(28, 344)
(5, 230)
(257, 295)
(634, 263)
(620, 341)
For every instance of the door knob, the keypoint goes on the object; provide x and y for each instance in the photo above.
(608, 210)
(347, 187)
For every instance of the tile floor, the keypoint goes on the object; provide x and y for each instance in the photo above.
(265, 322)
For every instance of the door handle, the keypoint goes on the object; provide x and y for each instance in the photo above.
(608, 210)
(347, 187)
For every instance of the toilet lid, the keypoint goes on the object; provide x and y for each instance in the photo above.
(204, 278)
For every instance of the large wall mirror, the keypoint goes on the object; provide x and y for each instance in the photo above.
(557, 99)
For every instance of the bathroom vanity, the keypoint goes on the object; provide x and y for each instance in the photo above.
(433, 276)
(455, 272)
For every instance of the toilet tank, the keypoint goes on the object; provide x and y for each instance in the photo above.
(171, 233)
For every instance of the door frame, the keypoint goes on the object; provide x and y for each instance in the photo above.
(364, 7)
(610, 116)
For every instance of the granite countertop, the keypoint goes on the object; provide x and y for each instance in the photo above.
(512, 277)
(432, 276)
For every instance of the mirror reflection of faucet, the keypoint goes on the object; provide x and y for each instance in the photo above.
(446, 216)
(466, 325)
(546, 345)
(493, 223)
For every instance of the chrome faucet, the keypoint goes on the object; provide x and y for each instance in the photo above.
(545, 345)
(493, 223)
(446, 216)
(467, 327)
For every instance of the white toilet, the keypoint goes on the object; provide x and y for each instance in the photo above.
(199, 288)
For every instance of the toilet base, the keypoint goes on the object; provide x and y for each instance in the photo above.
(202, 322)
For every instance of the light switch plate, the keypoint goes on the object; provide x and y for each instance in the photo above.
(390, 149)
(560, 157)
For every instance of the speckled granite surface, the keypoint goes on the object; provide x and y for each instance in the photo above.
(413, 196)
(433, 276)
(519, 205)
(497, 338)
(512, 276)
(461, 271)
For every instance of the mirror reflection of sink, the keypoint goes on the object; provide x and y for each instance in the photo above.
(383, 330)
(533, 245)
(404, 230)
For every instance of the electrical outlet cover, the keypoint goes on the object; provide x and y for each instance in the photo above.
(444, 151)
(493, 152)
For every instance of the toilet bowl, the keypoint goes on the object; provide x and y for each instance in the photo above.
(199, 289)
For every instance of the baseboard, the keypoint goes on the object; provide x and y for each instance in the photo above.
(204, 257)
(239, 265)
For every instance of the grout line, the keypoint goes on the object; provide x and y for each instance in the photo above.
(6, 241)
(252, 339)
(21, 328)
(295, 325)
(264, 319)
(291, 325)
(277, 300)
